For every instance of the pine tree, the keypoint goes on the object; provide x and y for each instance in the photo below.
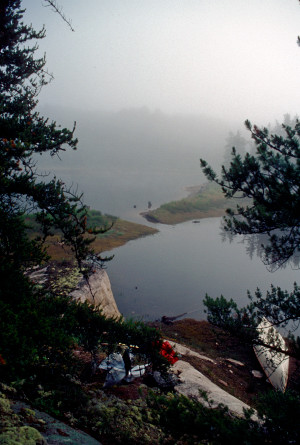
(270, 179)
(38, 327)
(23, 135)
(238, 142)
(29, 318)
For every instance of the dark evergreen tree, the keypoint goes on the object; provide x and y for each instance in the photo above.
(23, 134)
(30, 322)
(270, 181)
(38, 328)
(238, 142)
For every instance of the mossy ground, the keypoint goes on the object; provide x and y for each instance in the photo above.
(120, 414)
(13, 430)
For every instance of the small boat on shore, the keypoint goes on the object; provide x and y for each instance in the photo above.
(274, 363)
(169, 320)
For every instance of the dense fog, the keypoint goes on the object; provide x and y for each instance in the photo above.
(153, 87)
(127, 158)
(230, 59)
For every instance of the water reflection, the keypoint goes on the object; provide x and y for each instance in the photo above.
(254, 247)
(170, 273)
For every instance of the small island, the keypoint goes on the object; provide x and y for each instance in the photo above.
(203, 201)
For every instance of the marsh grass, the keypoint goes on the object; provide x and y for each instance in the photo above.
(207, 202)
(120, 233)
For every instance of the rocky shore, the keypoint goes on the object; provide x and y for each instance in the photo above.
(67, 279)
(213, 361)
(209, 360)
(97, 290)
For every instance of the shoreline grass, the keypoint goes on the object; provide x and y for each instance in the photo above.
(204, 202)
(120, 233)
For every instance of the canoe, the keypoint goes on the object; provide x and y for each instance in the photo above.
(275, 364)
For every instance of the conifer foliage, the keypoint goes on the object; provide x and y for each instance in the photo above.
(270, 178)
(268, 182)
(39, 327)
(23, 135)
(36, 328)
(29, 323)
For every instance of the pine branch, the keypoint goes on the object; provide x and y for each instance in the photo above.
(58, 9)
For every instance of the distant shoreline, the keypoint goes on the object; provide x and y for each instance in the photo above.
(203, 201)
(119, 234)
(180, 218)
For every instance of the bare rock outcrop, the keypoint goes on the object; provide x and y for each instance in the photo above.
(97, 290)
(183, 350)
(68, 280)
(192, 382)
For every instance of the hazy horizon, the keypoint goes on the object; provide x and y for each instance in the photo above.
(125, 159)
(230, 59)
(155, 85)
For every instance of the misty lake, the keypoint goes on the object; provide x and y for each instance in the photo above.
(129, 158)
(169, 273)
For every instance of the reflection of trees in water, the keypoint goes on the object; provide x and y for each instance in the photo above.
(254, 246)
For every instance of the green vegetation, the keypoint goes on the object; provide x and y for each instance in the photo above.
(40, 328)
(119, 232)
(136, 414)
(270, 179)
(207, 202)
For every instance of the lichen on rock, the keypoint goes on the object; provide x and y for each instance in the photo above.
(67, 279)
(25, 435)
(97, 290)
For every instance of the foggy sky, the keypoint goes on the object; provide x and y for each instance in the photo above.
(234, 59)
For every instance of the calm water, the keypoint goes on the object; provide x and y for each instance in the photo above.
(169, 273)
(134, 157)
